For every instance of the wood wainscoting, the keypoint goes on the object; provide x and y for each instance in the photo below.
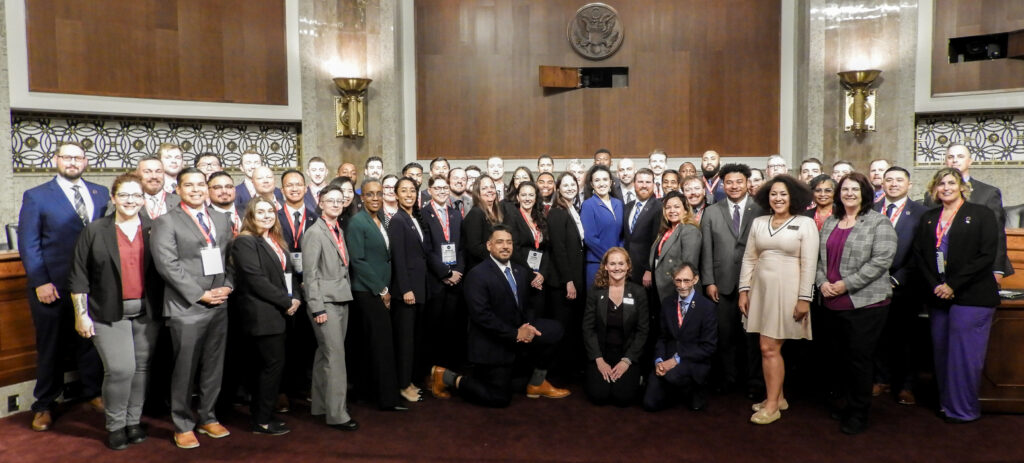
(17, 334)
(1002, 382)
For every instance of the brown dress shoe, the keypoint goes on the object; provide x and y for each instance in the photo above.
(906, 397)
(437, 387)
(878, 389)
(545, 390)
(214, 430)
(42, 421)
(282, 406)
(186, 440)
(96, 405)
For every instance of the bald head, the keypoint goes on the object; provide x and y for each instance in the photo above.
(959, 157)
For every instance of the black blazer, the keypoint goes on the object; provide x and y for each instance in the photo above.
(286, 227)
(635, 322)
(638, 243)
(992, 198)
(695, 341)
(566, 247)
(522, 238)
(96, 271)
(260, 290)
(438, 268)
(475, 232)
(972, 252)
(495, 315)
(903, 266)
(408, 257)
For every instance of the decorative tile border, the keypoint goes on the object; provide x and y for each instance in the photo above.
(995, 138)
(115, 144)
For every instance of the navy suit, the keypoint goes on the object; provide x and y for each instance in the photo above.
(312, 202)
(47, 229)
(694, 342)
(638, 242)
(288, 221)
(444, 340)
(242, 197)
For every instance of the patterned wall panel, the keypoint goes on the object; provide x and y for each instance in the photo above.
(117, 143)
(994, 138)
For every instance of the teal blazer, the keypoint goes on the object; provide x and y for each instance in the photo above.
(371, 260)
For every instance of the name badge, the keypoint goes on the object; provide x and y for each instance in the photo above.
(940, 262)
(296, 258)
(448, 253)
(288, 282)
(213, 263)
(627, 300)
(793, 227)
(533, 260)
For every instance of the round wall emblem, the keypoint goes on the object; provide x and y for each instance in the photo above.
(595, 32)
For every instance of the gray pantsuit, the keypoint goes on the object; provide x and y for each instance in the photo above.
(125, 347)
(330, 377)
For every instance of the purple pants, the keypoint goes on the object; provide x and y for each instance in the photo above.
(960, 340)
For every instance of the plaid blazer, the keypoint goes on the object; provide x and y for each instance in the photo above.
(866, 259)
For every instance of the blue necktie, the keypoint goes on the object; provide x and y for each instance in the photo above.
(206, 228)
(636, 214)
(512, 283)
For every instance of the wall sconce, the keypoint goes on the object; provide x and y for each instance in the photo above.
(350, 107)
(860, 100)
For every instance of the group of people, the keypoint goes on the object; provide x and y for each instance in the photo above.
(654, 285)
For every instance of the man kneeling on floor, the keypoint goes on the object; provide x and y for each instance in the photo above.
(504, 337)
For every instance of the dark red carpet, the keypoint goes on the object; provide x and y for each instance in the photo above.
(567, 430)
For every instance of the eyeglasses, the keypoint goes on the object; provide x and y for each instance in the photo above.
(333, 202)
(439, 188)
(131, 196)
(67, 158)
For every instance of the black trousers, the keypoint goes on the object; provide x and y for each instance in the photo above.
(853, 338)
(55, 340)
(378, 347)
(569, 354)
(443, 335)
(731, 355)
(493, 385)
(300, 350)
(271, 350)
(621, 393)
(899, 348)
(403, 322)
(663, 391)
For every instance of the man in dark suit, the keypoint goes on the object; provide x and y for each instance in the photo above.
(724, 227)
(51, 218)
(157, 201)
(503, 332)
(687, 341)
(895, 355)
(445, 341)
(642, 217)
(247, 189)
(710, 166)
(189, 246)
(316, 169)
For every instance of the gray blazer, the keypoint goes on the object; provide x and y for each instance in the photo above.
(325, 276)
(177, 243)
(682, 246)
(722, 249)
(866, 259)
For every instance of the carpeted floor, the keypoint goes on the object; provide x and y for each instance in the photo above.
(567, 430)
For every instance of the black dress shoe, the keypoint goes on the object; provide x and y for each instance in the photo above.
(274, 428)
(951, 420)
(117, 440)
(135, 434)
(396, 408)
(350, 425)
(698, 401)
(853, 425)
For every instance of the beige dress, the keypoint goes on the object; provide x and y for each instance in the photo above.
(778, 269)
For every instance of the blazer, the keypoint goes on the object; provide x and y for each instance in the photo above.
(523, 242)
(311, 202)
(242, 197)
(177, 246)
(495, 313)
(601, 229)
(991, 197)
(325, 277)
(260, 286)
(635, 322)
(867, 256)
(47, 228)
(695, 341)
(903, 268)
(638, 242)
(721, 248)
(408, 257)
(566, 247)
(683, 245)
(370, 259)
(96, 271)
(436, 238)
(475, 232)
(972, 251)
(286, 228)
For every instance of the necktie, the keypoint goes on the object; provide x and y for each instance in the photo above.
(206, 228)
(458, 204)
(512, 283)
(679, 311)
(234, 224)
(636, 214)
(80, 205)
(297, 223)
(736, 218)
(629, 197)
(889, 209)
(657, 189)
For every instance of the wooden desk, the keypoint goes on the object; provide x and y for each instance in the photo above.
(17, 335)
(1002, 380)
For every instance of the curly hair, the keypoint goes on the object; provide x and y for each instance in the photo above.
(601, 279)
(799, 195)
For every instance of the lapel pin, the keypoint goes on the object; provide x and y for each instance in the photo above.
(967, 219)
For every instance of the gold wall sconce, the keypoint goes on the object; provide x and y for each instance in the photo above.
(860, 100)
(350, 107)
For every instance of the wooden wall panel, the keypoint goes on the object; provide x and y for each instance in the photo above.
(959, 18)
(703, 74)
(231, 51)
(17, 334)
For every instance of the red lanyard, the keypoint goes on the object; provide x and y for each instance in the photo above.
(442, 212)
(664, 237)
(338, 240)
(533, 229)
(711, 186)
(200, 227)
(291, 226)
(940, 230)
(896, 213)
(699, 214)
(819, 220)
(277, 249)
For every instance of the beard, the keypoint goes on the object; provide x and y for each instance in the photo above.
(712, 173)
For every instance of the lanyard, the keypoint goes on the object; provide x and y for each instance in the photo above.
(442, 212)
(536, 233)
(277, 249)
(941, 231)
(338, 240)
(896, 213)
(711, 186)
(200, 227)
(163, 206)
(291, 226)
(664, 237)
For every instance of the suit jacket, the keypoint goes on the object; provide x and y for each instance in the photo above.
(721, 248)
(435, 232)
(989, 196)
(325, 277)
(903, 269)
(96, 271)
(286, 228)
(261, 290)
(177, 246)
(312, 203)
(866, 258)
(495, 313)
(716, 194)
(972, 251)
(242, 197)
(475, 232)
(566, 247)
(682, 246)
(635, 322)
(171, 201)
(638, 243)
(370, 257)
(695, 341)
(601, 229)
(524, 242)
(47, 228)
(408, 256)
